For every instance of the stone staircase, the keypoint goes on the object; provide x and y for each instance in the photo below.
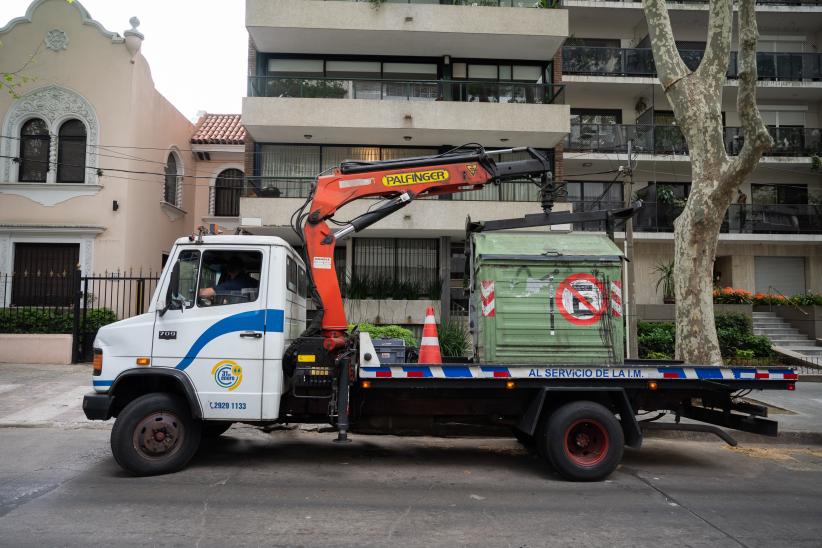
(782, 334)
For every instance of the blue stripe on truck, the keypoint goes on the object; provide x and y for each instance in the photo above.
(270, 320)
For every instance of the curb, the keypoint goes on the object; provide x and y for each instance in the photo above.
(783, 438)
(809, 378)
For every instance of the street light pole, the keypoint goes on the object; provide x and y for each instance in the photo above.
(629, 282)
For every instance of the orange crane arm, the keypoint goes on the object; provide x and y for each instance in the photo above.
(402, 181)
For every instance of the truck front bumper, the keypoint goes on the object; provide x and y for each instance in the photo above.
(97, 407)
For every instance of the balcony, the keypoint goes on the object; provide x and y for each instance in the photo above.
(466, 91)
(740, 218)
(403, 28)
(299, 187)
(673, 3)
(410, 113)
(637, 62)
(648, 139)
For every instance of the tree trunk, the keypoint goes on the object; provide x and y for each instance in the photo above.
(696, 99)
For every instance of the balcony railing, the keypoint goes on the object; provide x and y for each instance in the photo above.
(648, 139)
(596, 61)
(299, 187)
(406, 90)
(482, 3)
(740, 218)
(758, 2)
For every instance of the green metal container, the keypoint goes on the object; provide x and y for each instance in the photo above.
(546, 299)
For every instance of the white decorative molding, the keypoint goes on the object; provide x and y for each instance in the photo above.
(54, 104)
(49, 194)
(172, 211)
(56, 40)
(84, 15)
(212, 183)
(82, 235)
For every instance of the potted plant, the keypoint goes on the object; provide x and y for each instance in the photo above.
(665, 271)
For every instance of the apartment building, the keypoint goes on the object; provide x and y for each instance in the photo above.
(772, 237)
(366, 80)
(330, 81)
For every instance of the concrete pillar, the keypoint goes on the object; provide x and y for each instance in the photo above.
(445, 276)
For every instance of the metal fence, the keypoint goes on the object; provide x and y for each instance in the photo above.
(47, 302)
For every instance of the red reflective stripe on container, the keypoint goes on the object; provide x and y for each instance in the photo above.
(762, 376)
(383, 373)
(498, 374)
(414, 374)
(790, 376)
(670, 375)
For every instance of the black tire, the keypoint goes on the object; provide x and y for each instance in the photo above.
(582, 440)
(155, 434)
(215, 429)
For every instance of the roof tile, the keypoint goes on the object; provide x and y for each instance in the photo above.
(219, 129)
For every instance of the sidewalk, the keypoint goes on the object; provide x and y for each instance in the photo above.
(51, 395)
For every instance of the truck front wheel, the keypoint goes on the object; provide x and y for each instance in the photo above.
(583, 441)
(155, 434)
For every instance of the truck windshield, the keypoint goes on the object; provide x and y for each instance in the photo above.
(229, 277)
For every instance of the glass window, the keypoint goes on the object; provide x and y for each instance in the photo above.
(287, 170)
(779, 194)
(170, 190)
(482, 72)
(505, 72)
(229, 277)
(227, 189)
(353, 69)
(296, 68)
(527, 73)
(183, 284)
(334, 156)
(410, 71)
(302, 283)
(34, 151)
(71, 155)
(291, 274)
(459, 70)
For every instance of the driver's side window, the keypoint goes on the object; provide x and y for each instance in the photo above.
(182, 287)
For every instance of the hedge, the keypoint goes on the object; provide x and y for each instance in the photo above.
(734, 331)
(28, 320)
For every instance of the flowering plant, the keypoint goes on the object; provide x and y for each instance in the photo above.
(729, 295)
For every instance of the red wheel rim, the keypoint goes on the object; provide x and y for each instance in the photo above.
(586, 442)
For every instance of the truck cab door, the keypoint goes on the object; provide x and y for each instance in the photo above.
(212, 326)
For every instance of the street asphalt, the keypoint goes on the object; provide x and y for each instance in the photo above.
(59, 486)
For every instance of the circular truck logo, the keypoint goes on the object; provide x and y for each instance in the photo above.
(228, 374)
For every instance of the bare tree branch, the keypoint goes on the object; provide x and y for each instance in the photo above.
(714, 64)
(669, 65)
(757, 138)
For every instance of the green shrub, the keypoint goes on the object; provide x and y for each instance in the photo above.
(745, 354)
(734, 331)
(806, 299)
(32, 320)
(387, 332)
(657, 356)
(657, 338)
(383, 287)
(454, 339)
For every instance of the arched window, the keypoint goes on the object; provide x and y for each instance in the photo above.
(71, 154)
(171, 191)
(227, 190)
(34, 151)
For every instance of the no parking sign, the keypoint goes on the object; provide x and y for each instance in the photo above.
(581, 299)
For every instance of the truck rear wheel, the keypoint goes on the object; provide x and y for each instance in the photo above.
(583, 441)
(155, 434)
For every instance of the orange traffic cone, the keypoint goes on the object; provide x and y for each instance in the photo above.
(430, 344)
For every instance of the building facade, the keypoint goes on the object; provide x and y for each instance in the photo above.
(355, 80)
(330, 81)
(772, 237)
